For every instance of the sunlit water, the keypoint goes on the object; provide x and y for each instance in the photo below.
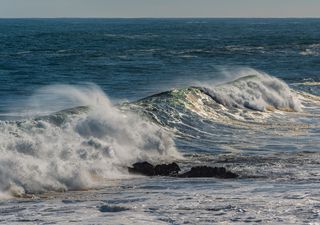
(83, 99)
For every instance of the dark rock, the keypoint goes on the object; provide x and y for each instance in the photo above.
(167, 169)
(206, 171)
(112, 209)
(143, 168)
(147, 169)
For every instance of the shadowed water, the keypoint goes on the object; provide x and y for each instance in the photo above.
(83, 99)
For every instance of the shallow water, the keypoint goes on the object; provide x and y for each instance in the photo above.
(83, 99)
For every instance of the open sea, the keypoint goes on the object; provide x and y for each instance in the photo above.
(83, 99)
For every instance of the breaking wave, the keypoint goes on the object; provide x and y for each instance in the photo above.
(77, 148)
(75, 138)
(257, 91)
(248, 96)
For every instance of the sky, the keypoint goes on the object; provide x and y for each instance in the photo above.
(158, 8)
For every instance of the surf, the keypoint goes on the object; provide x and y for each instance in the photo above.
(79, 148)
(75, 138)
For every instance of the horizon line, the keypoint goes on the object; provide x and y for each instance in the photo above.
(89, 17)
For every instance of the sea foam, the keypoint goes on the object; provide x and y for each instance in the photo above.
(82, 151)
(254, 90)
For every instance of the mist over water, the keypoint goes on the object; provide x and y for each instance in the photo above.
(254, 90)
(74, 138)
(83, 99)
(76, 150)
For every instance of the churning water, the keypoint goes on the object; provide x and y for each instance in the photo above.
(83, 99)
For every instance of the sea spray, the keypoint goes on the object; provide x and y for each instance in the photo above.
(82, 150)
(249, 88)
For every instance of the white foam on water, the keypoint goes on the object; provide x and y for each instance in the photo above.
(252, 89)
(82, 151)
(311, 50)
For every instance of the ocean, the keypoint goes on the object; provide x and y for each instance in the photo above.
(81, 100)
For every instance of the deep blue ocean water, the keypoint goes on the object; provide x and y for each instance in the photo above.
(238, 93)
(133, 58)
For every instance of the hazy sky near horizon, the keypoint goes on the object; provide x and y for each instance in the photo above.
(159, 8)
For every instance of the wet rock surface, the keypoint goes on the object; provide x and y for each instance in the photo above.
(167, 169)
(173, 169)
(143, 168)
(206, 171)
(112, 209)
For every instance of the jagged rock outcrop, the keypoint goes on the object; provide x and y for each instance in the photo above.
(206, 171)
(173, 169)
(143, 168)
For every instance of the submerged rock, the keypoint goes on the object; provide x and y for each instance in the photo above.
(112, 209)
(206, 171)
(172, 169)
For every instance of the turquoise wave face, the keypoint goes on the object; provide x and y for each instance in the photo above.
(254, 114)
(78, 148)
(58, 133)
(131, 59)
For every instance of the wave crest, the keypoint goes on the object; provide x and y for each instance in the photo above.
(257, 91)
(81, 150)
